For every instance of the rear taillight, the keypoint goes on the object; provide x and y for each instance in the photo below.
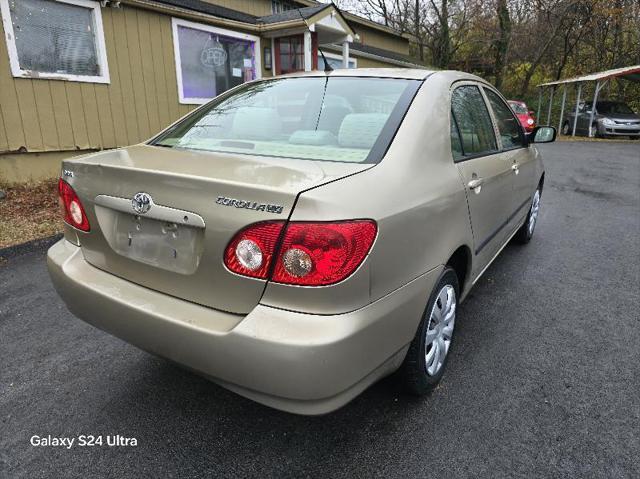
(71, 207)
(310, 254)
(250, 251)
(318, 254)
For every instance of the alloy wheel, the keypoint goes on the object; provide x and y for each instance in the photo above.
(533, 214)
(440, 330)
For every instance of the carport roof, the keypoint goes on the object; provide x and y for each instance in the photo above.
(628, 73)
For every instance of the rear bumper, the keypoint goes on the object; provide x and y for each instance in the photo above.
(301, 363)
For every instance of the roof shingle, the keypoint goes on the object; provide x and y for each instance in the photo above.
(209, 8)
(295, 14)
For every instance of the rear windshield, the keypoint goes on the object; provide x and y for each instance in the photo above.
(345, 119)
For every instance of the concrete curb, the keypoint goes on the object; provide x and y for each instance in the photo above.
(40, 244)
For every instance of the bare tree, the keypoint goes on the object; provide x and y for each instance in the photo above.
(517, 41)
(501, 44)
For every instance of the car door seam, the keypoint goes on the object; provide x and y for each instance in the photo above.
(505, 223)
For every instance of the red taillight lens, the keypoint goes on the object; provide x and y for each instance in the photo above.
(71, 207)
(250, 252)
(318, 254)
(311, 254)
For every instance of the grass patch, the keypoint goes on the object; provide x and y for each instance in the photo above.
(29, 211)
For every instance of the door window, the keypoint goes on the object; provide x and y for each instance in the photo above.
(508, 125)
(456, 143)
(470, 113)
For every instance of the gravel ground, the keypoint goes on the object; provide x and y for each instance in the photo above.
(543, 380)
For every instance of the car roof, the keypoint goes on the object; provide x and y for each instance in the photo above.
(407, 73)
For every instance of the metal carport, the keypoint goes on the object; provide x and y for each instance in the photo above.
(631, 73)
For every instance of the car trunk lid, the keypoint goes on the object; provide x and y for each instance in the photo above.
(199, 201)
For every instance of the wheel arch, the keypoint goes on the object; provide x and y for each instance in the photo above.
(460, 262)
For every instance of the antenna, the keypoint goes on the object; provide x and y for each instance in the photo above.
(327, 68)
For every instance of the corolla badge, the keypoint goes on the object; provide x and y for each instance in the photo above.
(141, 202)
(250, 205)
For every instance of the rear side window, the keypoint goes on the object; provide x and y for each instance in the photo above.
(508, 125)
(474, 123)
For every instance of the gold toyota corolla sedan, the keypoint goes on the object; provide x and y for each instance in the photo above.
(298, 238)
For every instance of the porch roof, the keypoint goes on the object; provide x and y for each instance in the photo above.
(298, 15)
(295, 14)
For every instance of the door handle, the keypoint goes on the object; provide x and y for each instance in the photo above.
(516, 168)
(475, 184)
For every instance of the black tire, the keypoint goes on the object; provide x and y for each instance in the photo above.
(413, 372)
(525, 233)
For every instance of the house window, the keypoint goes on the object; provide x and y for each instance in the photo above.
(290, 54)
(55, 39)
(211, 60)
(279, 6)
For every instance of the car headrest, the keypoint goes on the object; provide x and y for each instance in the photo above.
(332, 116)
(361, 130)
(256, 123)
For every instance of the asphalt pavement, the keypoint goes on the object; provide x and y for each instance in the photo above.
(544, 377)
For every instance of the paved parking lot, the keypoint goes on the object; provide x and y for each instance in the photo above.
(544, 378)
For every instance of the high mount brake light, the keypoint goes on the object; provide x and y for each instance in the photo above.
(71, 207)
(310, 254)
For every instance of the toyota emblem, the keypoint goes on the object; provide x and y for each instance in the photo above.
(141, 203)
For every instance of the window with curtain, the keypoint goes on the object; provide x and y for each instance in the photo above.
(291, 54)
(279, 6)
(56, 38)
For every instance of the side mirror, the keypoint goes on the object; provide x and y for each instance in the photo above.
(542, 134)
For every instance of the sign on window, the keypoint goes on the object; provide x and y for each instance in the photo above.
(211, 62)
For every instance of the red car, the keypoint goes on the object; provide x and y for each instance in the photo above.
(524, 115)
